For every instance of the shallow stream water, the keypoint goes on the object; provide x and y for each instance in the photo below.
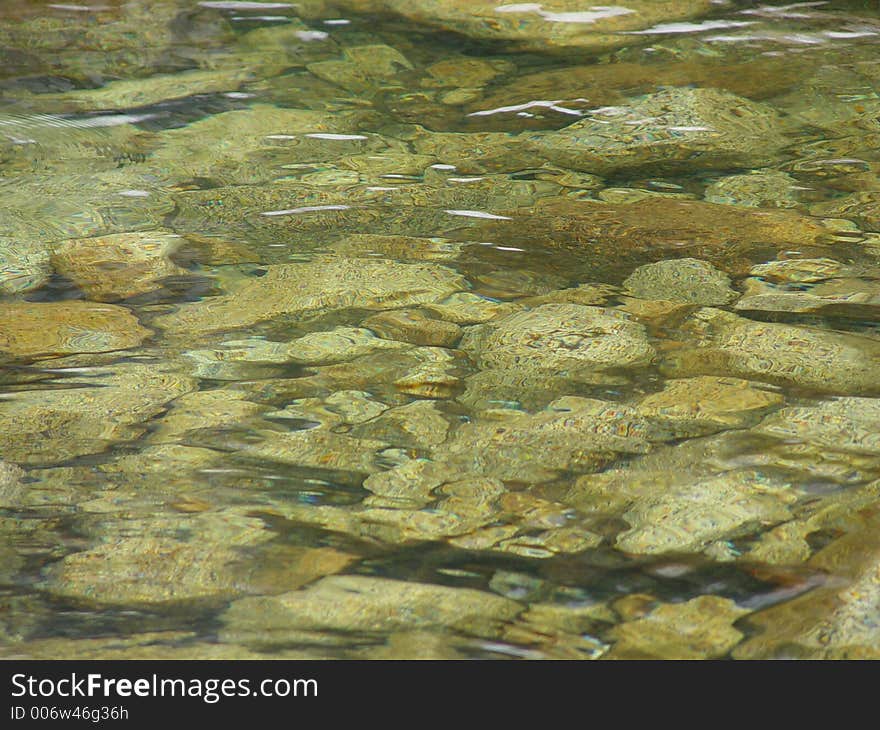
(439, 329)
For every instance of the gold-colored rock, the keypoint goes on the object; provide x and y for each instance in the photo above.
(699, 629)
(108, 268)
(156, 566)
(827, 361)
(316, 286)
(835, 620)
(554, 23)
(560, 337)
(99, 408)
(408, 325)
(690, 516)
(366, 604)
(689, 281)
(35, 329)
(696, 406)
(465, 308)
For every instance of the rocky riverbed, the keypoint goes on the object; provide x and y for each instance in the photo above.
(430, 329)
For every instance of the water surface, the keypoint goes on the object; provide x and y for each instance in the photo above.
(369, 329)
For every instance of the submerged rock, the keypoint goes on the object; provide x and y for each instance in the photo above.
(702, 628)
(266, 137)
(465, 308)
(561, 338)
(830, 513)
(417, 425)
(320, 285)
(108, 268)
(848, 425)
(681, 280)
(609, 237)
(676, 129)
(11, 486)
(553, 23)
(571, 434)
(362, 68)
(166, 560)
(408, 325)
(697, 406)
(838, 618)
(340, 344)
(854, 297)
(822, 360)
(98, 409)
(23, 266)
(204, 409)
(758, 189)
(862, 208)
(689, 516)
(365, 604)
(35, 329)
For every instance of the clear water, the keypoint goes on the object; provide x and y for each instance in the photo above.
(369, 329)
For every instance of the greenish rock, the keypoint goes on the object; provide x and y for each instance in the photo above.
(417, 425)
(108, 405)
(266, 138)
(561, 338)
(354, 603)
(404, 249)
(758, 189)
(726, 344)
(553, 23)
(23, 266)
(407, 325)
(464, 308)
(127, 93)
(476, 153)
(862, 208)
(466, 72)
(517, 389)
(681, 280)
(338, 345)
(853, 297)
(689, 516)
(204, 409)
(622, 196)
(435, 374)
(585, 294)
(850, 425)
(161, 478)
(835, 620)
(798, 271)
(239, 359)
(408, 485)
(344, 407)
(363, 68)
(131, 39)
(11, 487)
(319, 285)
(789, 544)
(571, 434)
(166, 560)
(676, 129)
(311, 448)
